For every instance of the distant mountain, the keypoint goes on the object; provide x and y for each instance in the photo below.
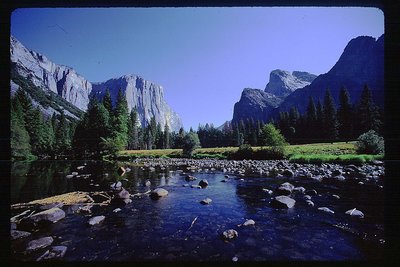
(256, 104)
(56, 88)
(282, 83)
(360, 63)
(146, 96)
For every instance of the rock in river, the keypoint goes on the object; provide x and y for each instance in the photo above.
(283, 202)
(116, 186)
(55, 252)
(51, 215)
(229, 234)
(249, 222)
(206, 201)
(158, 192)
(355, 213)
(203, 183)
(190, 178)
(311, 192)
(195, 186)
(299, 189)
(96, 220)
(15, 234)
(325, 209)
(288, 173)
(39, 243)
(285, 189)
(310, 203)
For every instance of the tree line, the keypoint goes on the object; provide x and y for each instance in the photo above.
(104, 129)
(321, 122)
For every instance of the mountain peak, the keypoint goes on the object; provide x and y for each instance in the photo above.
(282, 83)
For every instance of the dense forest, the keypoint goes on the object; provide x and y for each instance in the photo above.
(105, 129)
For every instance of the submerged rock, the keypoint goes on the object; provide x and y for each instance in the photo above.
(195, 186)
(116, 210)
(158, 192)
(147, 183)
(283, 202)
(96, 220)
(39, 244)
(229, 234)
(206, 201)
(355, 213)
(55, 252)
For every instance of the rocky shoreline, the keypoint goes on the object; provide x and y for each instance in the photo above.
(32, 216)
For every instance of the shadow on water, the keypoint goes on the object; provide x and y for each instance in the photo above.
(148, 229)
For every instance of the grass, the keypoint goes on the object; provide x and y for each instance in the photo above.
(341, 159)
(332, 149)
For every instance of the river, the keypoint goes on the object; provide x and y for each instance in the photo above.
(159, 230)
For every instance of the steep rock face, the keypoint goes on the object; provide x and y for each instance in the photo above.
(282, 83)
(146, 96)
(256, 104)
(43, 73)
(360, 63)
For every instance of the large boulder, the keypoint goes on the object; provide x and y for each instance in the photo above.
(283, 202)
(51, 215)
(158, 192)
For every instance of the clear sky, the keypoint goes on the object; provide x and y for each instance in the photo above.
(203, 57)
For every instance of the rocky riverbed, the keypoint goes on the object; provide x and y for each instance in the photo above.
(209, 202)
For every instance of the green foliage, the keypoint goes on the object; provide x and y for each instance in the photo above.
(107, 101)
(370, 143)
(133, 131)
(368, 117)
(190, 143)
(20, 147)
(166, 140)
(272, 136)
(209, 156)
(270, 153)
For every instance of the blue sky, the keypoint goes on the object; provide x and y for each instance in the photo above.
(203, 57)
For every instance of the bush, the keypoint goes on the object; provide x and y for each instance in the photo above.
(272, 136)
(274, 152)
(245, 151)
(370, 143)
(190, 143)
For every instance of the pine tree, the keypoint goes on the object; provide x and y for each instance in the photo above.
(120, 122)
(133, 130)
(62, 138)
(107, 101)
(20, 141)
(367, 113)
(319, 134)
(311, 119)
(166, 143)
(345, 115)
(330, 123)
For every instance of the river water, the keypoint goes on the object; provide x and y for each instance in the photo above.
(160, 230)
